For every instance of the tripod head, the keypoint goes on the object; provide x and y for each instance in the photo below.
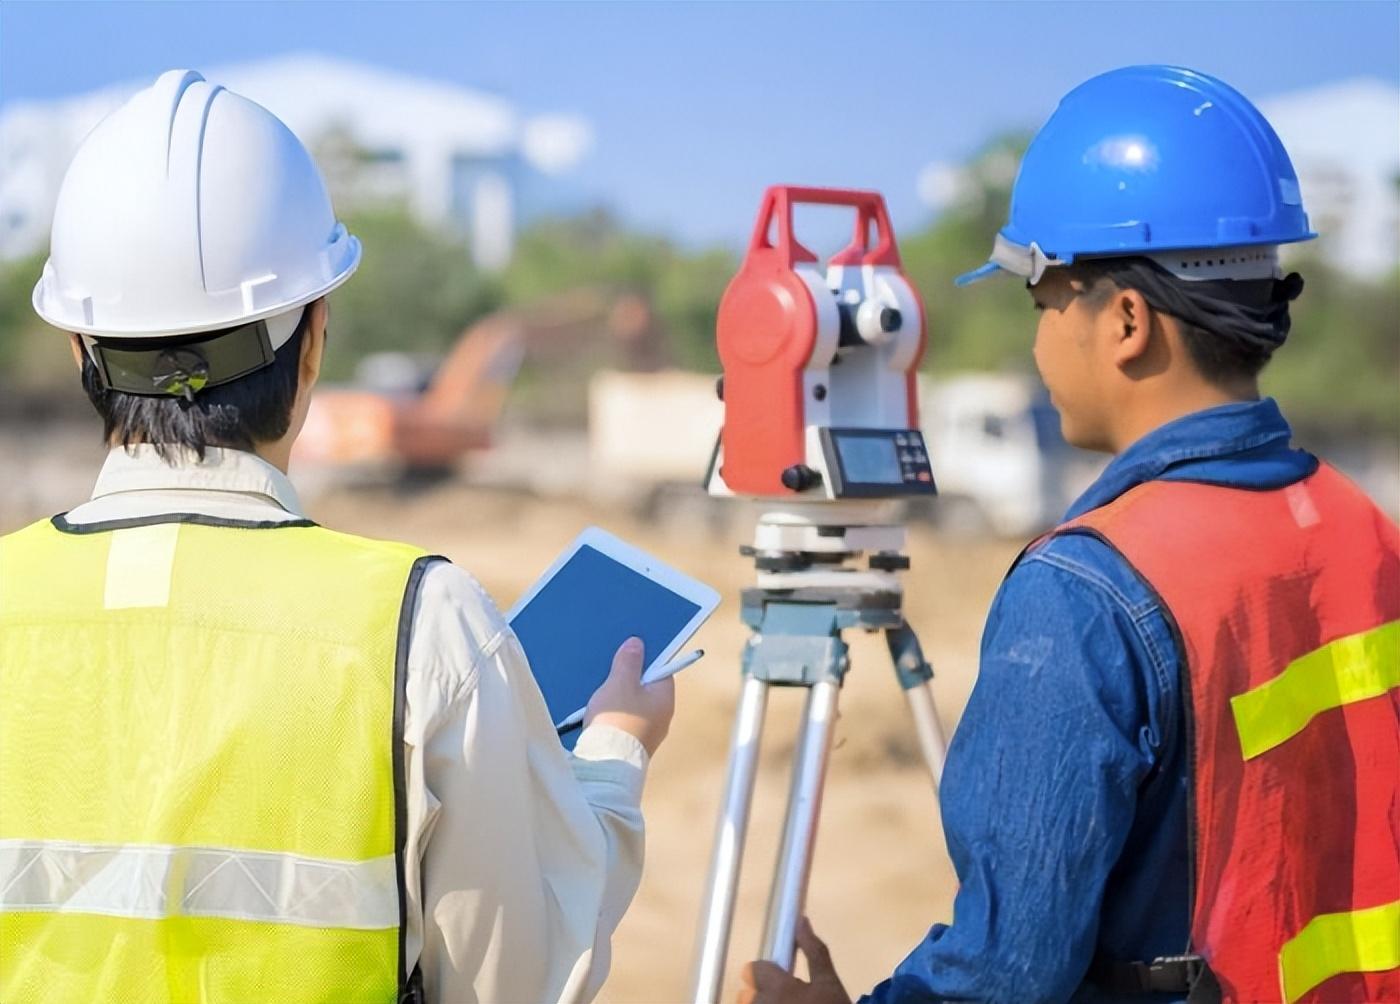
(811, 546)
(819, 368)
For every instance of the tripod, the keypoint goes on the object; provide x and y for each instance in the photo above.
(808, 592)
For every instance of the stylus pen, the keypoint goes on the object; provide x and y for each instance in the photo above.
(670, 669)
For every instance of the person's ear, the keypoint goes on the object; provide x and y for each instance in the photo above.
(1128, 319)
(76, 344)
(313, 346)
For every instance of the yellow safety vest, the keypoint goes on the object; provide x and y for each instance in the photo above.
(201, 785)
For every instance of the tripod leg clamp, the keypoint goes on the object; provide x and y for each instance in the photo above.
(907, 654)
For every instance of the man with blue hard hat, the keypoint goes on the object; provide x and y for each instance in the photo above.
(1178, 775)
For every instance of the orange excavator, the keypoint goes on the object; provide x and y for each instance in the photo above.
(405, 414)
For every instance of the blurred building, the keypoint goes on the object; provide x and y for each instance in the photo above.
(1344, 140)
(458, 158)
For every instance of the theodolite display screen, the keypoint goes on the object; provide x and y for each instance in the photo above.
(869, 460)
(877, 463)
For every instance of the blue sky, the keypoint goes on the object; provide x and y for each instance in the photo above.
(698, 106)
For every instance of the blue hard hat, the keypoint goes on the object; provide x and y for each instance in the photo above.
(1147, 159)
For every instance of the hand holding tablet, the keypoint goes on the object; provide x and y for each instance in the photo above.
(651, 676)
(597, 594)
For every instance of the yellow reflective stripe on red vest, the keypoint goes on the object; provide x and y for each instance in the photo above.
(153, 882)
(1360, 941)
(1350, 669)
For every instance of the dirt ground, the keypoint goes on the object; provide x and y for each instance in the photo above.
(881, 874)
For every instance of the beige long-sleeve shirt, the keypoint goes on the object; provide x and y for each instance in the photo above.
(520, 857)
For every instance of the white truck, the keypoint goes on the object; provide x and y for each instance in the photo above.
(650, 437)
(998, 457)
(1000, 463)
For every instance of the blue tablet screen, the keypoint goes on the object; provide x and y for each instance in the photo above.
(571, 628)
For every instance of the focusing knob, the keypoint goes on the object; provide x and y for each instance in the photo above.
(876, 322)
(800, 477)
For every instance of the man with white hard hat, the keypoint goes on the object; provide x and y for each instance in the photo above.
(243, 757)
(1178, 775)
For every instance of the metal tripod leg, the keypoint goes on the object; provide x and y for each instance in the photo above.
(797, 643)
(930, 731)
(789, 891)
(718, 910)
(916, 677)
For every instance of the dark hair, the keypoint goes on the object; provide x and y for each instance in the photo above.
(1231, 327)
(252, 409)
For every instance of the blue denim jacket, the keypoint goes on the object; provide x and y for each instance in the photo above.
(1064, 796)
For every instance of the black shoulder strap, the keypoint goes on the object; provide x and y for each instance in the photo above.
(412, 992)
(410, 984)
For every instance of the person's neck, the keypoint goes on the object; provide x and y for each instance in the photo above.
(278, 453)
(1153, 413)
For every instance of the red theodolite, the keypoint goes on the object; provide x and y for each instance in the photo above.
(819, 369)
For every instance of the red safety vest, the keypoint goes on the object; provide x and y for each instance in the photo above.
(1286, 605)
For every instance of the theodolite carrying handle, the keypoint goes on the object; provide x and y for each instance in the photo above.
(778, 201)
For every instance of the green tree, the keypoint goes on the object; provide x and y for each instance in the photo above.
(415, 291)
(593, 249)
(18, 321)
(1339, 371)
(33, 356)
(987, 326)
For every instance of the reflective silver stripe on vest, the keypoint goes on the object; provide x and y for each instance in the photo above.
(151, 881)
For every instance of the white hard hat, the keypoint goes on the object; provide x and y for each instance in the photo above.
(190, 209)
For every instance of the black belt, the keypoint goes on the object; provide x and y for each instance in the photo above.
(1175, 974)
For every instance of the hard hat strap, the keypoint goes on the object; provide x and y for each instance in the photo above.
(1252, 312)
(182, 367)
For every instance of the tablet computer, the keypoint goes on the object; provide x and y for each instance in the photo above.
(598, 593)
